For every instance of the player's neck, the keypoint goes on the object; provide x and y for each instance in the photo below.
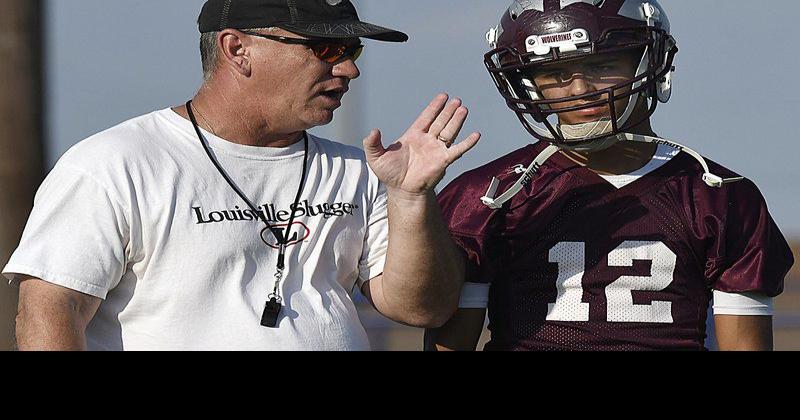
(621, 158)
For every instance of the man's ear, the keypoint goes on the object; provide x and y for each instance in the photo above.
(234, 54)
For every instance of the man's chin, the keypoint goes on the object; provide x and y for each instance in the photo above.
(320, 117)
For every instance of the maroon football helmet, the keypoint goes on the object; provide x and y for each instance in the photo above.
(536, 33)
(535, 36)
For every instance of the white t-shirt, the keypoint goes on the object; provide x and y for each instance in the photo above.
(139, 216)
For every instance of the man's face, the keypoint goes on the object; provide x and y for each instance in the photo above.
(582, 76)
(293, 88)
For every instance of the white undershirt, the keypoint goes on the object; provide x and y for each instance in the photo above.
(663, 155)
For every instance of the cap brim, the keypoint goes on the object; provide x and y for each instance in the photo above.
(346, 30)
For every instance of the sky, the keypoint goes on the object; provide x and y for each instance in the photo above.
(735, 98)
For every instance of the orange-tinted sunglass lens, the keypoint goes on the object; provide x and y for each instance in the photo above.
(331, 53)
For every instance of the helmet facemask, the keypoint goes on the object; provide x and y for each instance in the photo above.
(537, 35)
(516, 75)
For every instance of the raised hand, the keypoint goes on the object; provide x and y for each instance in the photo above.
(417, 161)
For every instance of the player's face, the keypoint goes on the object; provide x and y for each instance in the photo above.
(297, 88)
(579, 77)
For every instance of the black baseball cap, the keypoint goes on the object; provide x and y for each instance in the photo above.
(312, 18)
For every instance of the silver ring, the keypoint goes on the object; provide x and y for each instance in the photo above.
(444, 140)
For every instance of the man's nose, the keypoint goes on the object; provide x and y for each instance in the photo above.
(346, 68)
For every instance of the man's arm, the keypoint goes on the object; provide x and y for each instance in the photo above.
(52, 317)
(460, 333)
(744, 333)
(424, 271)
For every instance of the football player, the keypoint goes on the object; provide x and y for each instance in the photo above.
(613, 238)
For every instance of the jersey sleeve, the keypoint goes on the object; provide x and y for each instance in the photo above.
(76, 236)
(749, 254)
(472, 228)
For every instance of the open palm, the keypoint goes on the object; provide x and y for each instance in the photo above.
(418, 160)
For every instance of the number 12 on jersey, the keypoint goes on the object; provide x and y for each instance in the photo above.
(571, 260)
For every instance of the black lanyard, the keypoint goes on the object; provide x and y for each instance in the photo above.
(272, 309)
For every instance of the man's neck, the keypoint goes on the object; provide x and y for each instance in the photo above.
(621, 158)
(231, 122)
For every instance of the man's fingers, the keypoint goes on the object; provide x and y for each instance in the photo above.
(458, 150)
(456, 122)
(373, 146)
(445, 117)
(429, 115)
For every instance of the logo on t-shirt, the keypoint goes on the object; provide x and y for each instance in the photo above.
(274, 215)
(298, 233)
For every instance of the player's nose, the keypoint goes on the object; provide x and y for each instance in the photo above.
(579, 85)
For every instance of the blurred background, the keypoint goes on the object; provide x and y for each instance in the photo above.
(69, 69)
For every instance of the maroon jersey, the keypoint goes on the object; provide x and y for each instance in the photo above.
(577, 264)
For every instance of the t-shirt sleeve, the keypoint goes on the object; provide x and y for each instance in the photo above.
(749, 254)
(376, 239)
(76, 235)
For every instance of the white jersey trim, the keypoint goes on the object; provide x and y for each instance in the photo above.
(743, 304)
(474, 296)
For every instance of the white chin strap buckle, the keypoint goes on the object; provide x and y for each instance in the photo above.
(651, 13)
(488, 199)
(492, 36)
(716, 181)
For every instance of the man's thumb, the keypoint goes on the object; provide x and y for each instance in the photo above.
(373, 146)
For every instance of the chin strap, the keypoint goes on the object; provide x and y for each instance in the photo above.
(489, 199)
(714, 181)
(585, 130)
(497, 203)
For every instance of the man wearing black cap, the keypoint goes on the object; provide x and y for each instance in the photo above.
(222, 224)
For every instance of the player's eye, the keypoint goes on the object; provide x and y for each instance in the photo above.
(554, 76)
(603, 69)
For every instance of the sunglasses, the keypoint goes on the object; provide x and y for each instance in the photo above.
(327, 50)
